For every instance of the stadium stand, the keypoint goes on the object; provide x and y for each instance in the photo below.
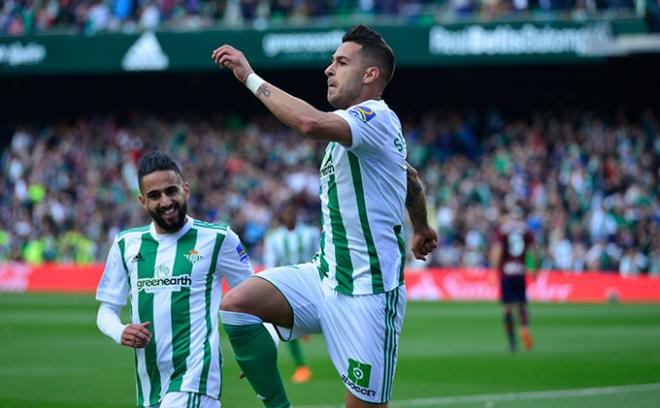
(20, 17)
(590, 182)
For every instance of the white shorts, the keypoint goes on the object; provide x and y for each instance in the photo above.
(361, 332)
(187, 399)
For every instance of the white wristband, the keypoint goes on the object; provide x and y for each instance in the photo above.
(253, 82)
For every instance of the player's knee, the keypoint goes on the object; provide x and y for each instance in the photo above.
(235, 301)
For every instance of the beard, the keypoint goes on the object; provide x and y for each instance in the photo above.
(175, 225)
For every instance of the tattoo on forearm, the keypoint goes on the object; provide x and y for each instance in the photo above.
(415, 200)
(263, 90)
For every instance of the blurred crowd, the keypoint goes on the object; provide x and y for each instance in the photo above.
(589, 186)
(18, 17)
(588, 183)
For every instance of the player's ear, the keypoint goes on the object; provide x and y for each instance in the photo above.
(371, 74)
(142, 200)
(186, 189)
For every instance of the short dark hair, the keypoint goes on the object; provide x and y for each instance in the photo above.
(374, 49)
(156, 161)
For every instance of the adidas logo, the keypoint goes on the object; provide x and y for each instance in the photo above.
(145, 55)
(137, 258)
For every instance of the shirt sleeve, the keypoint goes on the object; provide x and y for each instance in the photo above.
(366, 128)
(233, 262)
(108, 321)
(113, 286)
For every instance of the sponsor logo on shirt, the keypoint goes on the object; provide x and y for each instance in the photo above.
(328, 169)
(193, 256)
(242, 255)
(358, 377)
(163, 281)
(363, 113)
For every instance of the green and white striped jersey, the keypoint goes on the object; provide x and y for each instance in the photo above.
(174, 281)
(363, 191)
(290, 247)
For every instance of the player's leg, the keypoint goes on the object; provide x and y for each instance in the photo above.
(302, 373)
(523, 317)
(282, 296)
(506, 293)
(362, 336)
(243, 311)
(507, 313)
(353, 402)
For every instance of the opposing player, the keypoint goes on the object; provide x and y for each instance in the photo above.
(511, 243)
(171, 270)
(292, 243)
(353, 290)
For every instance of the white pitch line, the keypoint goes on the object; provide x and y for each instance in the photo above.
(513, 396)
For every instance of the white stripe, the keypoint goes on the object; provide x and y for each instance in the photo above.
(162, 323)
(515, 396)
(197, 315)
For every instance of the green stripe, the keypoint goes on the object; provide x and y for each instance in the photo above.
(146, 269)
(122, 252)
(390, 345)
(395, 346)
(402, 250)
(219, 239)
(188, 400)
(140, 399)
(220, 227)
(324, 269)
(344, 274)
(376, 273)
(385, 348)
(142, 229)
(180, 310)
(323, 264)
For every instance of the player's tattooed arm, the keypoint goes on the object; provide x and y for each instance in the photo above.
(415, 198)
(424, 237)
(263, 90)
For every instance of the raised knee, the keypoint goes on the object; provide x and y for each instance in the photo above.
(234, 301)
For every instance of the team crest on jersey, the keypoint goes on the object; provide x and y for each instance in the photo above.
(193, 256)
(358, 377)
(362, 112)
(242, 255)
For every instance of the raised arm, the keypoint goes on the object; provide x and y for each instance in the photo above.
(292, 111)
(424, 237)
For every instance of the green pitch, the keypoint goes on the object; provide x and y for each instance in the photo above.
(451, 355)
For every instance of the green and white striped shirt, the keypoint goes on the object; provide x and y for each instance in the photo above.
(174, 281)
(363, 191)
(290, 247)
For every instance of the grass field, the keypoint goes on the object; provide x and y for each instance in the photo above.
(451, 354)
